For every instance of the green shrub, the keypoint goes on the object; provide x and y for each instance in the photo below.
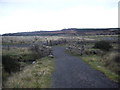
(10, 64)
(40, 51)
(93, 52)
(103, 45)
(38, 75)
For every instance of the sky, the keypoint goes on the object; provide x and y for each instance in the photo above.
(40, 15)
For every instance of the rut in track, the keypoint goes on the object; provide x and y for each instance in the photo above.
(72, 72)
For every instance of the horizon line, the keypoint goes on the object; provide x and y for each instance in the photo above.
(59, 30)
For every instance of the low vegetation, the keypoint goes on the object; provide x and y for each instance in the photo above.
(28, 61)
(112, 61)
(101, 55)
(10, 65)
(36, 75)
(103, 45)
(14, 60)
(40, 51)
(95, 62)
(20, 62)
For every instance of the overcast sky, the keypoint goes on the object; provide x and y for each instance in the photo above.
(35, 15)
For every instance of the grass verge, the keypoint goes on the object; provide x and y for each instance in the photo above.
(95, 62)
(36, 75)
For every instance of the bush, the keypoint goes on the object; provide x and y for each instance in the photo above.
(36, 75)
(10, 64)
(93, 52)
(103, 45)
(40, 51)
(112, 61)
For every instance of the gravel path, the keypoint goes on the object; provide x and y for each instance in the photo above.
(71, 72)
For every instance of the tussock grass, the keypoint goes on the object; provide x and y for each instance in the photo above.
(112, 61)
(11, 58)
(37, 75)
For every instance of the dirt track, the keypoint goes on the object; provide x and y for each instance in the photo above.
(71, 72)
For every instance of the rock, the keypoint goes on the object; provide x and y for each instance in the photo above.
(33, 62)
(51, 56)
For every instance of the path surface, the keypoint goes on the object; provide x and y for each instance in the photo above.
(71, 72)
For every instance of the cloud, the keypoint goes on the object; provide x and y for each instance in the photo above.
(17, 1)
(78, 16)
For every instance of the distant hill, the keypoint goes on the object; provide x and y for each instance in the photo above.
(69, 31)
